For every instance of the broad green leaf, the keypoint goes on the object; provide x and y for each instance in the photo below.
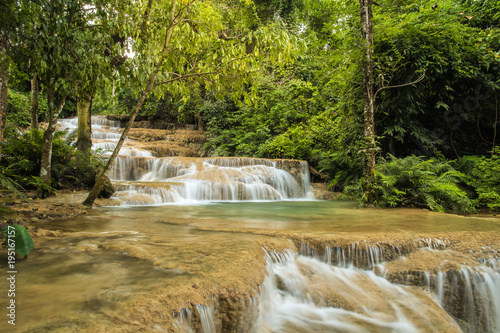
(18, 235)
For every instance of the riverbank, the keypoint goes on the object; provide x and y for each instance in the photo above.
(33, 212)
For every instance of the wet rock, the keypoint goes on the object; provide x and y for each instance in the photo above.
(321, 192)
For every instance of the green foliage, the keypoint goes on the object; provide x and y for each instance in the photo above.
(295, 143)
(274, 127)
(418, 182)
(483, 177)
(446, 109)
(21, 162)
(18, 107)
(42, 189)
(482, 13)
(9, 184)
(18, 237)
(22, 155)
(288, 10)
(487, 182)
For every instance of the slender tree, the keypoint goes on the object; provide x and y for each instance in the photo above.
(103, 56)
(368, 93)
(83, 141)
(194, 47)
(34, 102)
(7, 22)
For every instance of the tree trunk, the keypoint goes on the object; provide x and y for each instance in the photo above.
(48, 136)
(199, 122)
(368, 95)
(89, 201)
(34, 102)
(4, 81)
(84, 142)
(151, 83)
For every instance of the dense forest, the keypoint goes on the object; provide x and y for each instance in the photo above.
(284, 79)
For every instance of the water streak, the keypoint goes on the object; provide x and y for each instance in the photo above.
(472, 295)
(206, 318)
(302, 294)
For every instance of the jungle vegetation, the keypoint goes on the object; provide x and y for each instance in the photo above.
(274, 79)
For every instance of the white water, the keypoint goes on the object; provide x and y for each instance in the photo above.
(305, 294)
(312, 296)
(478, 296)
(141, 179)
(206, 318)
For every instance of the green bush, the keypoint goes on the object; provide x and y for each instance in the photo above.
(487, 181)
(483, 177)
(18, 110)
(295, 143)
(21, 162)
(414, 181)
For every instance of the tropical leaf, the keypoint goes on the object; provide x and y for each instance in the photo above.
(18, 236)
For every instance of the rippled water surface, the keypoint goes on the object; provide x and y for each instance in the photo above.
(92, 277)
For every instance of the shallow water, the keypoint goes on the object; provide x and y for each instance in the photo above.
(113, 263)
(310, 216)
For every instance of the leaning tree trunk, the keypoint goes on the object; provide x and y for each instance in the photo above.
(34, 102)
(102, 176)
(84, 142)
(151, 83)
(48, 136)
(4, 80)
(368, 95)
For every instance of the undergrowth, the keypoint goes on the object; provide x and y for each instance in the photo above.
(466, 185)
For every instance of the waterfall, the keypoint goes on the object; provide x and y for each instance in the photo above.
(356, 254)
(141, 179)
(303, 294)
(469, 295)
(206, 318)
(204, 181)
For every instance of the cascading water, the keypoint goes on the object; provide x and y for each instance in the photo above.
(142, 179)
(201, 180)
(338, 288)
(303, 294)
(471, 295)
(329, 292)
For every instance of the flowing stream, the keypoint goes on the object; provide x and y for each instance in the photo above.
(239, 245)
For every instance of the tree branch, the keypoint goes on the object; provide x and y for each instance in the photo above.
(232, 60)
(181, 77)
(222, 35)
(401, 85)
